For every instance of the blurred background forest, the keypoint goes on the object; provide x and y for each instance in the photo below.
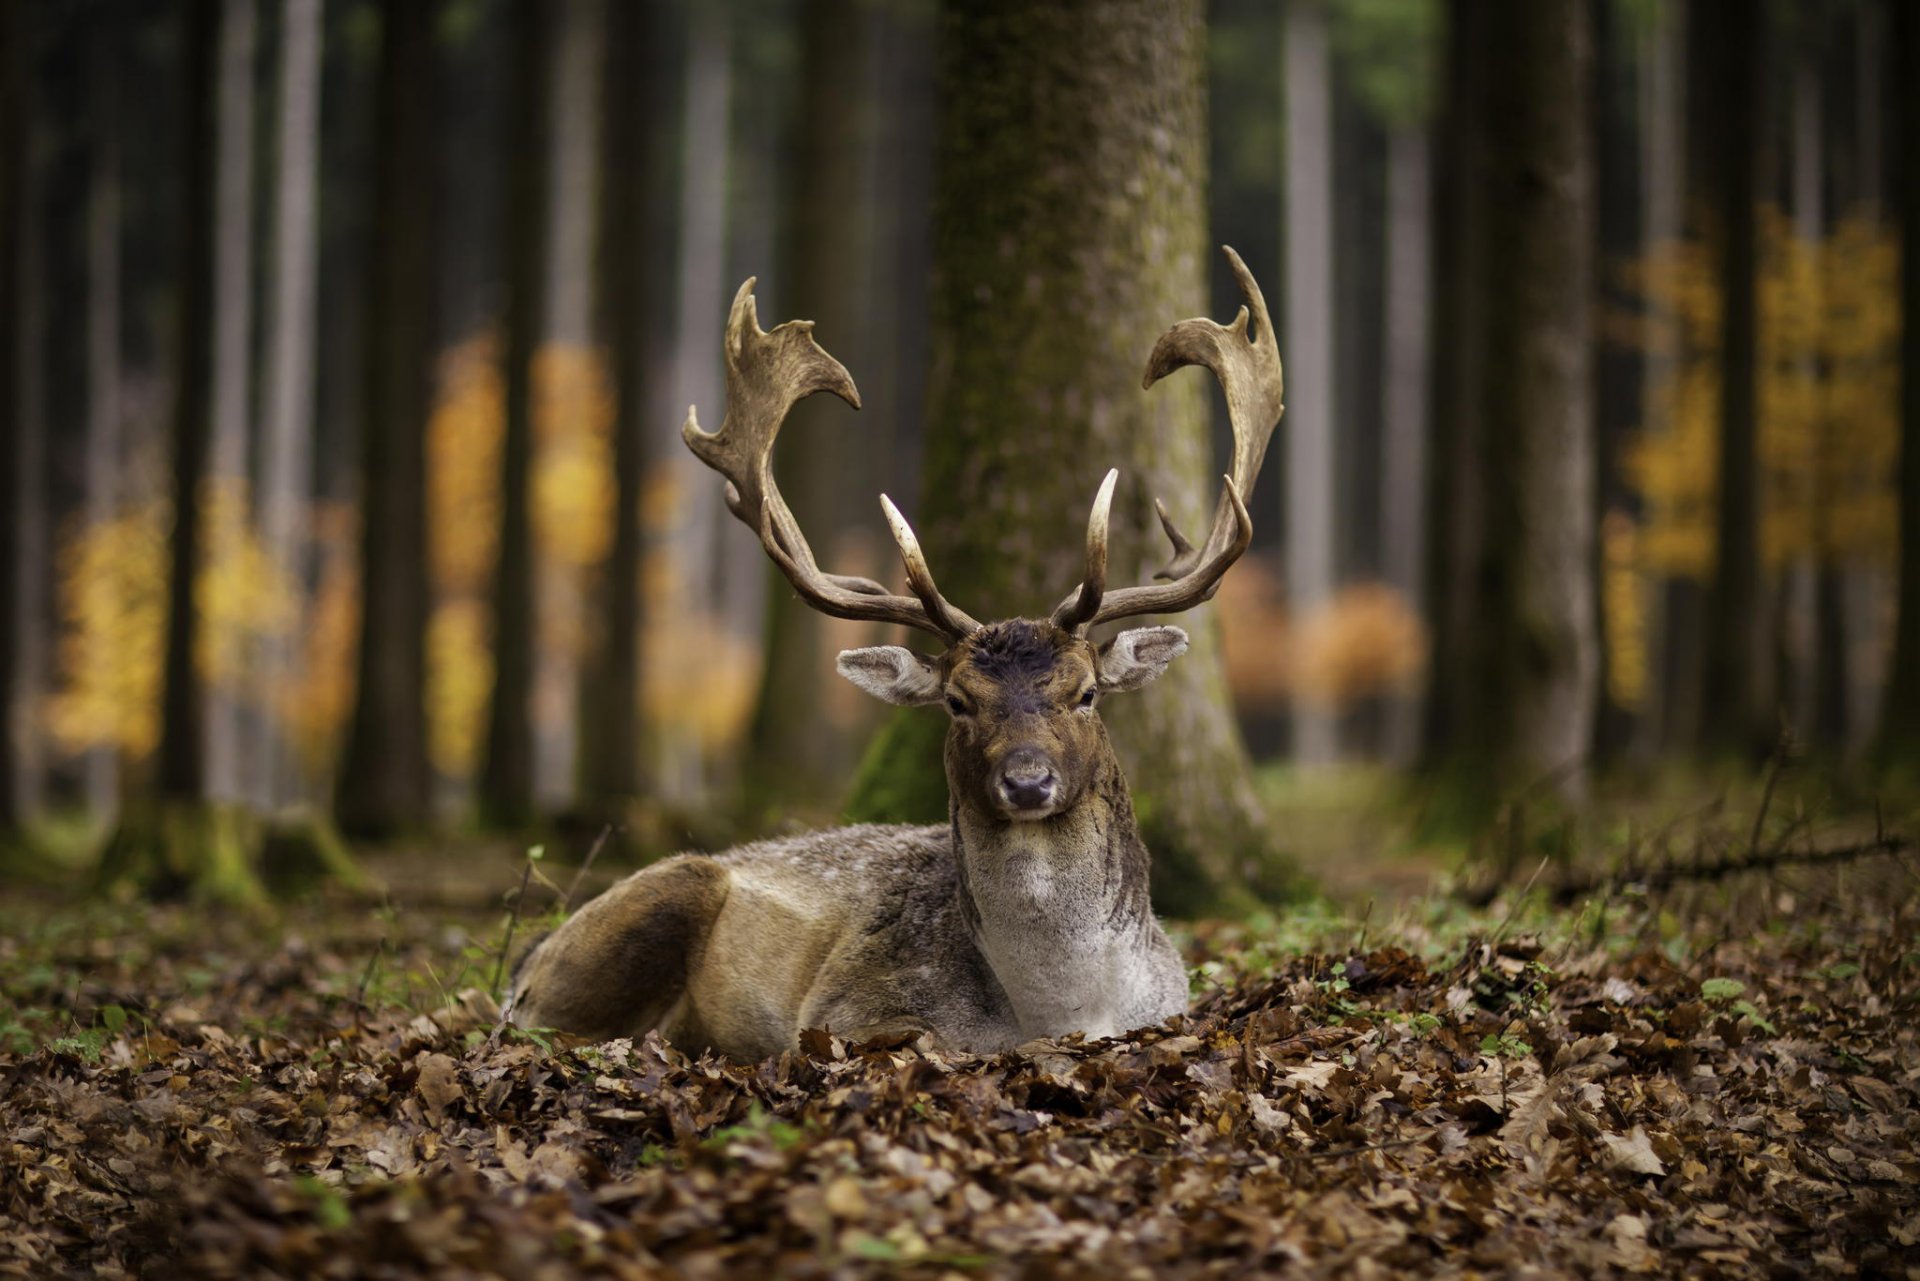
(1592, 462)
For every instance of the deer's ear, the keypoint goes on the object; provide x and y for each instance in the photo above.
(1135, 657)
(893, 674)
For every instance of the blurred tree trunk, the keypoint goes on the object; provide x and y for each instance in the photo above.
(1519, 671)
(1068, 234)
(385, 785)
(610, 696)
(794, 749)
(1899, 736)
(1307, 336)
(1730, 716)
(1663, 153)
(16, 132)
(1453, 726)
(105, 447)
(182, 844)
(702, 291)
(228, 757)
(573, 165)
(286, 461)
(25, 482)
(1408, 343)
(506, 779)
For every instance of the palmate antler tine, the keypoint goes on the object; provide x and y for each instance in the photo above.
(1078, 609)
(1246, 360)
(767, 374)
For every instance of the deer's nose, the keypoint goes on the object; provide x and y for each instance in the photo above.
(1027, 781)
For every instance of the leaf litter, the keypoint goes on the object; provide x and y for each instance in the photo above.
(232, 1104)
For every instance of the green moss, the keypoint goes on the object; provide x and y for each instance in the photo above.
(902, 778)
(184, 849)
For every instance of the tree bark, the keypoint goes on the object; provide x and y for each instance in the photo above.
(610, 703)
(1899, 735)
(794, 749)
(1067, 235)
(286, 463)
(228, 757)
(1307, 338)
(1517, 669)
(506, 779)
(1408, 343)
(385, 785)
(1730, 719)
(104, 368)
(16, 129)
(26, 480)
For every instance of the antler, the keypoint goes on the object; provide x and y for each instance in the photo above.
(767, 374)
(1248, 366)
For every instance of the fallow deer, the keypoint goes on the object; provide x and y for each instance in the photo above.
(1027, 914)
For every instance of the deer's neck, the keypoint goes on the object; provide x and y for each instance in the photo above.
(1060, 908)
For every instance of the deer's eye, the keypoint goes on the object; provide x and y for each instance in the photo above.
(955, 706)
(1086, 699)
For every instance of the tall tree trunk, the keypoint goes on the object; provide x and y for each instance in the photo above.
(794, 748)
(228, 758)
(1899, 737)
(1662, 184)
(1050, 288)
(1454, 731)
(385, 785)
(702, 291)
(1730, 720)
(1404, 412)
(506, 780)
(574, 164)
(26, 477)
(1307, 338)
(286, 461)
(104, 378)
(610, 703)
(1539, 384)
(182, 844)
(16, 131)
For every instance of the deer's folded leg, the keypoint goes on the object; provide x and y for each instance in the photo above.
(619, 965)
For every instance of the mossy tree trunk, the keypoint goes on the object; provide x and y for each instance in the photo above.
(385, 785)
(15, 132)
(1069, 232)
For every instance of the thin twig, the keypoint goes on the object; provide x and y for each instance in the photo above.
(566, 904)
(366, 977)
(513, 919)
(1732, 865)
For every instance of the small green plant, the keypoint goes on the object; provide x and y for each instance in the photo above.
(1720, 991)
(1504, 1045)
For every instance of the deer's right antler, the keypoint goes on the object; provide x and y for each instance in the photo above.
(767, 374)
(1246, 360)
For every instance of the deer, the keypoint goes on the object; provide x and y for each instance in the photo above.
(1026, 915)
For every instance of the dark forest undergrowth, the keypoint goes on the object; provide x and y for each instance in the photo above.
(1717, 1077)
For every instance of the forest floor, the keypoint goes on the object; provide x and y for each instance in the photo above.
(1717, 1078)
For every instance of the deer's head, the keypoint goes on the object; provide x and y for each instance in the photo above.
(1023, 695)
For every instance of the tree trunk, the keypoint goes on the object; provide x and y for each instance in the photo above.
(795, 749)
(286, 463)
(1307, 339)
(228, 757)
(16, 130)
(610, 702)
(105, 447)
(181, 844)
(1730, 720)
(1403, 480)
(1539, 384)
(1517, 668)
(1068, 234)
(27, 476)
(1899, 737)
(385, 785)
(506, 780)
